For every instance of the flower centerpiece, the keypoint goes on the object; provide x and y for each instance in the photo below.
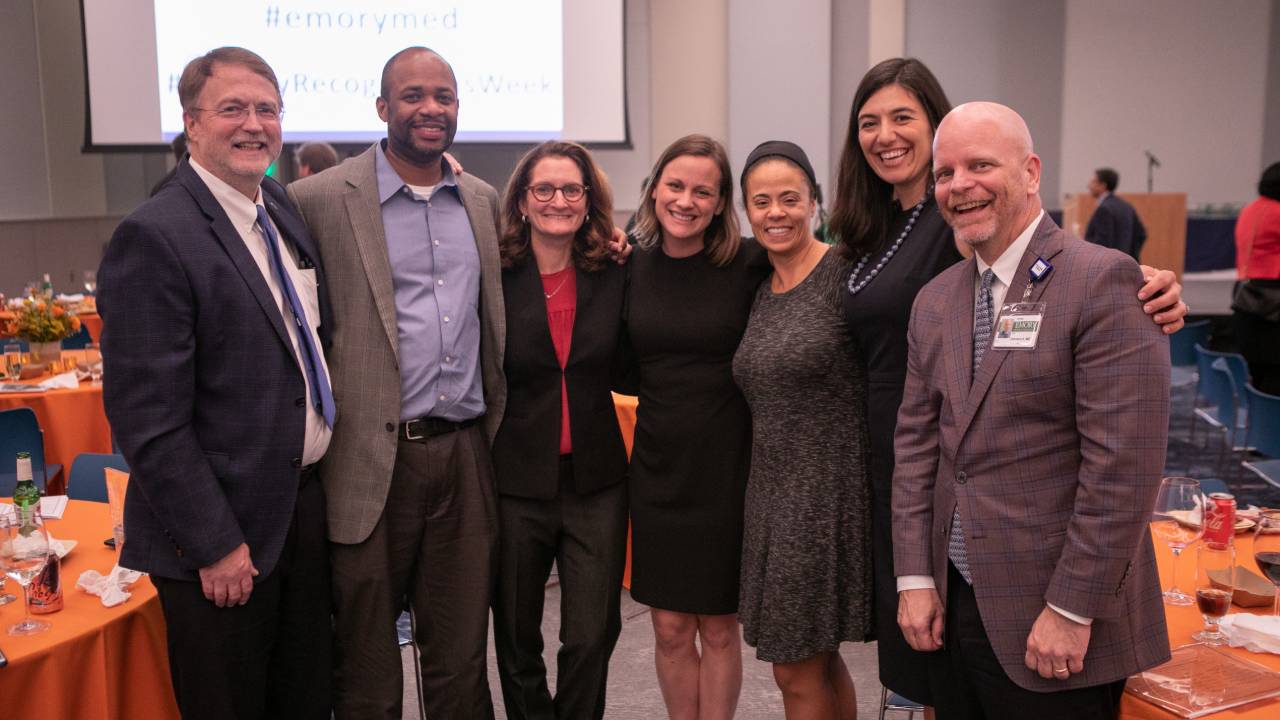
(44, 324)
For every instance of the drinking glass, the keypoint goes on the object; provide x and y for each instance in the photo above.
(1215, 583)
(90, 281)
(5, 597)
(1266, 550)
(13, 359)
(24, 551)
(93, 358)
(1178, 521)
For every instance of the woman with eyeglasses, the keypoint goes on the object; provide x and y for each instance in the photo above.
(558, 456)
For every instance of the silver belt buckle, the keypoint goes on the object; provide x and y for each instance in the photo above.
(408, 432)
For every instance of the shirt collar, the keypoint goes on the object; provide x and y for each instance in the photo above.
(242, 211)
(1006, 266)
(389, 181)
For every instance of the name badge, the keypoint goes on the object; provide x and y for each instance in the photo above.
(1018, 326)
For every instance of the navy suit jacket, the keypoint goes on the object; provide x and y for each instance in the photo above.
(202, 387)
(1115, 224)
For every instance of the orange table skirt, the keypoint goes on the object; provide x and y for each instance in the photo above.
(74, 422)
(95, 663)
(93, 323)
(1185, 620)
(625, 406)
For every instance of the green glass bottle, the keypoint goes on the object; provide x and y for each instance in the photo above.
(26, 496)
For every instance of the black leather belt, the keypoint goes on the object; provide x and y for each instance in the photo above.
(429, 427)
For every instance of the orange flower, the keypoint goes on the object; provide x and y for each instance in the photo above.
(58, 311)
(75, 325)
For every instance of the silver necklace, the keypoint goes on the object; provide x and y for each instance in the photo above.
(856, 285)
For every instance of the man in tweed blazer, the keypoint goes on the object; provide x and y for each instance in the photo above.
(1024, 486)
(418, 333)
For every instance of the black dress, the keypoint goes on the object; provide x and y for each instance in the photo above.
(878, 317)
(692, 450)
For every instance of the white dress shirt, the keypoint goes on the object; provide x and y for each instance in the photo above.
(243, 214)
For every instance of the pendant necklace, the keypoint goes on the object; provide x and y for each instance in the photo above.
(559, 287)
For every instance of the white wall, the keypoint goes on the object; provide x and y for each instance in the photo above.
(1185, 79)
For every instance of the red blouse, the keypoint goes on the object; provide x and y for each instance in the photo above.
(1258, 240)
(561, 291)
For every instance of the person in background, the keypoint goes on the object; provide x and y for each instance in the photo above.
(215, 311)
(885, 219)
(419, 331)
(314, 157)
(1256, 306)
(1114, 224)
(806, 560)
(559, 458)
(691, 283)
(179, 148)
(1037, 537)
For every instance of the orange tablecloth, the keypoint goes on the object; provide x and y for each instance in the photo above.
(93, 323)
(95, 663)
(625, 406)
(73, 421)
(1184, 621)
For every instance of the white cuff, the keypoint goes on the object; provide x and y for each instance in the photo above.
(915, 582)
(1068, 615)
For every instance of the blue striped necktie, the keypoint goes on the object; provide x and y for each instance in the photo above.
(317, 379)
(956, 550)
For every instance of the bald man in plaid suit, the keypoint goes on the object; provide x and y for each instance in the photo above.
(1026, 475)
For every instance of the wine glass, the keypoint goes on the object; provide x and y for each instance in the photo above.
(1266, 550)
(13, 359)
(90, 281)
(1215, 583)
(1177, 520)
(93, 358)
(24, 551)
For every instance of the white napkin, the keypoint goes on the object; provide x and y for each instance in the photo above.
(74, 298)
(111, 587)
(1256, 633)
(51, 507)
(65, 380)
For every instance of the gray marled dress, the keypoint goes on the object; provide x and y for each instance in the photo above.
(806, 552)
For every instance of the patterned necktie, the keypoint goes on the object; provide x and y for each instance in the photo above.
(317, 380)
(956, 550)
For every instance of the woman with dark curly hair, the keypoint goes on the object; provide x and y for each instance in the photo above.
(558, 456)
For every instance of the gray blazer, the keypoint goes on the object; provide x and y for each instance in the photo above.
(1054, 456)
(341, 208)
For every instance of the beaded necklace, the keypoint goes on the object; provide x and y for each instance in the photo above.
(856, 285)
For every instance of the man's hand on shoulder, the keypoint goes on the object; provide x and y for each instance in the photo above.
(619, 248)
(230, 580)
(1056, 645)
(920, 617)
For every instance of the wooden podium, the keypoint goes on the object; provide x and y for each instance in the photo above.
(1163, 214)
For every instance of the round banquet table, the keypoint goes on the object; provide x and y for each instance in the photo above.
(95, 663)
(74, 421)
(625, 406)
(1185, 620)
(92, 322)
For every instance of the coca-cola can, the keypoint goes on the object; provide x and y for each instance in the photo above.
(1220, 519)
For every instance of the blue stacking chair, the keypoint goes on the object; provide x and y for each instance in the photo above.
(87, 480)
(1263, 434)
(1217, 402)
(20, 432)
(10, 340)
(82, 338)
(1182, 352)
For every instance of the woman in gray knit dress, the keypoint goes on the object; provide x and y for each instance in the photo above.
(806, 565)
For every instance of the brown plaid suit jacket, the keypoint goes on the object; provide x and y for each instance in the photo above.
(1054, 456)
(341, 208)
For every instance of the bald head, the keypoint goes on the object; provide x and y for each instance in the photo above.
(987, 176)
(407, 53)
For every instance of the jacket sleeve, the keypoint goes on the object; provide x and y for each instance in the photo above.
(148, 349)
(1122, 415)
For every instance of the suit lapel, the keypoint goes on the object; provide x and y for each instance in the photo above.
(1045, 243)
(364, 210)
(586, 288)
(234, 246)
(529, 285)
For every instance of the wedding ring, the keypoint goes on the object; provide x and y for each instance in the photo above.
(1059, 670)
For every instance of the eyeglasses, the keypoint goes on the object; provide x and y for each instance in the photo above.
(544, 192)
(238, 113)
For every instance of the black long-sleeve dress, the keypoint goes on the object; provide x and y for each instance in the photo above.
(877, 318)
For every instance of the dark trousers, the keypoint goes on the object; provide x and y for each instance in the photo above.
(586, 536)
(436, 546)
(268, 658)
(970, 684)
(1259, 342)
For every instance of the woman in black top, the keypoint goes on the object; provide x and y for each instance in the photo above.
(887, 223)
